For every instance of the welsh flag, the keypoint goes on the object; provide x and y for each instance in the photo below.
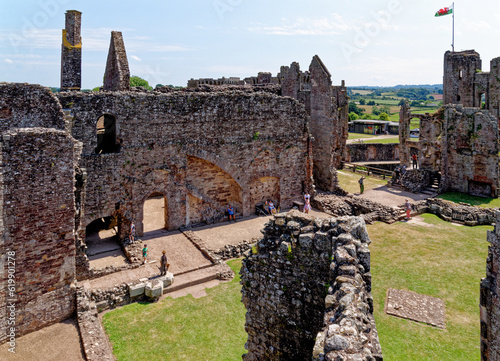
(445, 11)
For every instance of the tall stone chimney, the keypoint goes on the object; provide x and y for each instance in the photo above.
(71, 52)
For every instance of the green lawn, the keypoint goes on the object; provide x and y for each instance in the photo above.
(360, 136)
(208, 328)
(440, 260)
(394, 139)
(349, 181)
(473, 200)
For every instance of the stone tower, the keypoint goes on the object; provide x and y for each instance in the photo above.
(117, 74)
(71, 52)
(459, 75)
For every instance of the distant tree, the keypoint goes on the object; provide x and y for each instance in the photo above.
(385, 109)
(159, 85)
(371, 102)
(353, 116)
(431, 97)
(402, 102)
(362, 102)
(415, 103)
(366, 116)
(383, 116)
(355, 109)
(375, 110)
(96, 89)
(137, 81)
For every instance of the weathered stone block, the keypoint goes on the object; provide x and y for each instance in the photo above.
(137, 289)
(154, 291)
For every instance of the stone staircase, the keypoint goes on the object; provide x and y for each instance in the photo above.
(432, 189)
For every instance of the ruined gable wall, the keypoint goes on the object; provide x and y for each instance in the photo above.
(490, 299)
(470, 163)
(305, 278)
(38, 213)
(29, 105)
(230, 130)
(493, 90)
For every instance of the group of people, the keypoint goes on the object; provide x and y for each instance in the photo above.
(164, 265)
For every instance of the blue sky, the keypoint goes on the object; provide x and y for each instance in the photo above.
(364, 42)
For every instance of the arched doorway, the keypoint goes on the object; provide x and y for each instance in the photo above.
(155, 216)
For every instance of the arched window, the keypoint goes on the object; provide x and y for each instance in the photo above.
(106, 135)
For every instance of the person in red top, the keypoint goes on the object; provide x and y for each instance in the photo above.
(414, 159)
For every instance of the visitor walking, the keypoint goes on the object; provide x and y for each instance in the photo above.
(408, 209)
(163, 264)
(361, 184)
(145, 254)
(414, 160)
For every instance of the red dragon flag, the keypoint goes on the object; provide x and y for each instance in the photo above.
(445, 11)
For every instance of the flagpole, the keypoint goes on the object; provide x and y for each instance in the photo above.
(453, 28)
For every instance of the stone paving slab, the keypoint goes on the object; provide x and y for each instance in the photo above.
(415, 307)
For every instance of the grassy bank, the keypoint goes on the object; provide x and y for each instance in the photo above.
(209, 328)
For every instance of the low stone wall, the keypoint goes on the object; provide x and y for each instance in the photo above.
(94, 340)
(231, 251)
(306, 272)
(359, 152)
(350, 205)
(457, 212)
(416, 180)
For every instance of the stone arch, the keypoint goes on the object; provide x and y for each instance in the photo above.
(210, 189)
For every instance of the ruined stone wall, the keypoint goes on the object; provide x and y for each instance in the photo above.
(294, 280)
(471, 146)
(489, 300)
(240, 137)
(38, 223)
(371, 152)
(28, 105)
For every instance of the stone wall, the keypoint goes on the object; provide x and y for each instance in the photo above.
(239, 138)
(471, 160)
(490, 301)
(38, 226)
(300, 272)
(459, 143)
(28, 105)
(371, 152)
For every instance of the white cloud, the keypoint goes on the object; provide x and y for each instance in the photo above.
(234, 70)
(332, 25)
(8, 61)
(134, 57)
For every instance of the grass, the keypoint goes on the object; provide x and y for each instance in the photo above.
(394, 139)
(360, 136)
(349, 181)
(208, 328)
(472, 200)
(440, 260)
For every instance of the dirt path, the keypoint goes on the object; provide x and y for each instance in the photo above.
(390, 196)
(58, 342)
